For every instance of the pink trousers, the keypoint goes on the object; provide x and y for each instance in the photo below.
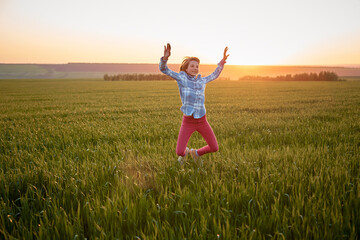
(188, 126)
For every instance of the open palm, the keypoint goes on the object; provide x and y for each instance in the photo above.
(167, 51)
(226, 55)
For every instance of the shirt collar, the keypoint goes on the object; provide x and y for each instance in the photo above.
(193, 78)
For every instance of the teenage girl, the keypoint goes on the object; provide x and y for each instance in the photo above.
(192, 94)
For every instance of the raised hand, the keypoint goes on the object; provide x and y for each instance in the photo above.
(167, 51)
(225, 56)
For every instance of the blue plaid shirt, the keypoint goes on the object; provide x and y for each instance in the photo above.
(192, 89)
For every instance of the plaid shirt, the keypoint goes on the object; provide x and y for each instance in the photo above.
(192, 89)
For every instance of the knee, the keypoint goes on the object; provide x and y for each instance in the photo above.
(215, 148)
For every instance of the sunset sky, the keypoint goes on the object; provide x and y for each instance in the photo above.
(258, 32)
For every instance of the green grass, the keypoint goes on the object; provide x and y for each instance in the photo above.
(95, 159)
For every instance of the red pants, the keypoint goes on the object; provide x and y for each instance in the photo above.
(188, 126)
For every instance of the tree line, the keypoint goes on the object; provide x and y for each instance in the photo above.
(322, 76)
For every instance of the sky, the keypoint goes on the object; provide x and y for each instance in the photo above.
(257, 32)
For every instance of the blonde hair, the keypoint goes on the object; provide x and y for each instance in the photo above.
(185, 63)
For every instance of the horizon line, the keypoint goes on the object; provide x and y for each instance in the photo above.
(355, 65)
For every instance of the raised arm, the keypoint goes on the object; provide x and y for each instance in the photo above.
(219, 68)
(163, 66)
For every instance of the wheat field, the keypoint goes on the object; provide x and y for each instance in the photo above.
(94, 159)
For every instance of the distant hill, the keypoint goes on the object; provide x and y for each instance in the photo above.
(97, 70)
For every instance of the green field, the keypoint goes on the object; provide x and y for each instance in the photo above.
(94, 159)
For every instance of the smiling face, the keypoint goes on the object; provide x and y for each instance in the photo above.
(193, 68)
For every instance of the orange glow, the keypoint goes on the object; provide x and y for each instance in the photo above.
(257, 33)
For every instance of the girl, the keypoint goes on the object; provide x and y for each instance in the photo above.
(192, 93)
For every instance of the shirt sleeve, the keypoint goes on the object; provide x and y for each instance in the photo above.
(216, 73)
(164, 69)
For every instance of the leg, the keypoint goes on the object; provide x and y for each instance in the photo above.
(185, 132)
(208, 134)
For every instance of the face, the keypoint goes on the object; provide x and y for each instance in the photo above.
(193, 68)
